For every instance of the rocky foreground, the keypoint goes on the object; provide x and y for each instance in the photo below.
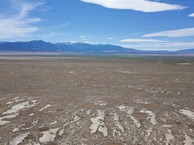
(96, 101)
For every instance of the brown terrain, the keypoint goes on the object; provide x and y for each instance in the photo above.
(63, 100)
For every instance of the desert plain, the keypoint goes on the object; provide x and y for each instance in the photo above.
(89, 100)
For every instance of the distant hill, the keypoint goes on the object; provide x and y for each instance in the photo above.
(186, 51)
(81, 48)
(101, 48)
(41, 46)
(32, 46)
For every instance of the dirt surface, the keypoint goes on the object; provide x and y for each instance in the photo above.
(96, 101)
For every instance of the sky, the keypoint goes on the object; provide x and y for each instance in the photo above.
(139, 24)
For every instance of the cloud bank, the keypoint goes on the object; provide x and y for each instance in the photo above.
(186, 32)
(136, 5)
(169, 46)
(19, 24)
(140, 40)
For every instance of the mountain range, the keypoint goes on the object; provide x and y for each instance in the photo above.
(80, 48)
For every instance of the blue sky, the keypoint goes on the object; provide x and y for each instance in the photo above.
(140, 24)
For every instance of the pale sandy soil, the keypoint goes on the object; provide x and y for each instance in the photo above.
(96, 101)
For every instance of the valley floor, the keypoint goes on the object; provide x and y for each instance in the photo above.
(96, 101)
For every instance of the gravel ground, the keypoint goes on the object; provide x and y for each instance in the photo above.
(96, 101)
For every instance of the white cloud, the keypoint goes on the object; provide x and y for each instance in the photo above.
(181, 44)
(170, 46)
(13, 27)
(85, 37)
(191, 15)
(19, 24)
(141, 40)
(137, 5)
(186, 32)
(109, 38)
(86, 42)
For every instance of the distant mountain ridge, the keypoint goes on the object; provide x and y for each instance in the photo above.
(84, 48)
